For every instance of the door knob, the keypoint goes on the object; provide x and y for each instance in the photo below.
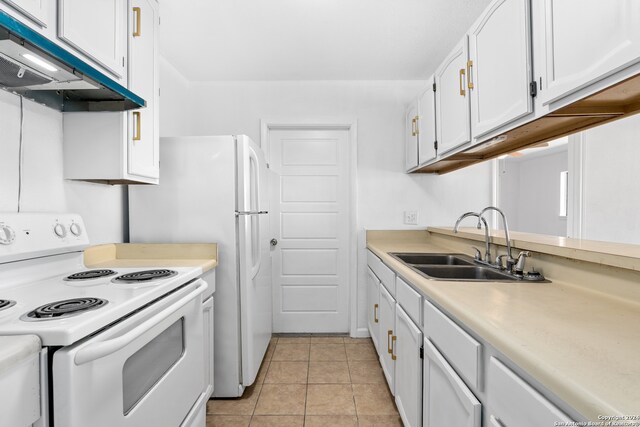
(274, 242)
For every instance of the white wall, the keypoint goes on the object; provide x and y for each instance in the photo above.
(384, 190)
(175, 109)
(611, 186)
(530, 191)
(43, 186)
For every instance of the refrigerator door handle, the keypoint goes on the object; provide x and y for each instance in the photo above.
(251, 213)
(254, 169)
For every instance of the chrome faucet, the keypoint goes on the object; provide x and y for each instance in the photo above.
(481, 220)
(510, 261)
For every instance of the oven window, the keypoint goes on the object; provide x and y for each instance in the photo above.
(145, 367)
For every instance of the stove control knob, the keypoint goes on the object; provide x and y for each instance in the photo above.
(6, 235)
(60, 230)
(75, 229)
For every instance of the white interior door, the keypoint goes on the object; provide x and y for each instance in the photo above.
(310, 219)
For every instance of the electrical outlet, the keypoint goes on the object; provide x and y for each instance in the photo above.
(411, 217)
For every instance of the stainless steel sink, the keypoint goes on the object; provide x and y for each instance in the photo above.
(452, 267)
(473, 273)
(433, 259)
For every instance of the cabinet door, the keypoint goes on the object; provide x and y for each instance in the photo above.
(411, 136)
(373, 307)
(207, 320)
(143, 142)
(427, 125)
(406, 347)
(36, 10)
(499, 68)
(452, 100)
(585, 41)
(97, 29)
(387, 327)
(447, 400)
(514, 403)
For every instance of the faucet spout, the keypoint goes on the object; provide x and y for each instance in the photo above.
(481, 220)
(510, 260)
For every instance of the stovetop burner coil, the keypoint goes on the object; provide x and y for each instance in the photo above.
(66, 308)
(144, 276)
(6, 303)
(90, 274)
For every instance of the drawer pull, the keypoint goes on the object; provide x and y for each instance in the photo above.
(462, 81)
(393, 347)
(136, 134)
(389, 334)
(469, 76)
(138, 13)
(375, 313)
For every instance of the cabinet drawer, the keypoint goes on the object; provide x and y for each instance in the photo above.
(457, 346)
(513, 402)
(410, 300)
(385, 274)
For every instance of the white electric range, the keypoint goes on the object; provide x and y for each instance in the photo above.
(122, 347)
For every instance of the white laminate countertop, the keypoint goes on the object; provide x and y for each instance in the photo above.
(16, 348)
(583, 346)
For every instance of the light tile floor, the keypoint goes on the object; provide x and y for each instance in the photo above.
(312, 381)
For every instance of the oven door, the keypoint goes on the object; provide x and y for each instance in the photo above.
(144, 371)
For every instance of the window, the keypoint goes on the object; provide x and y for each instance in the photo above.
(564, 193)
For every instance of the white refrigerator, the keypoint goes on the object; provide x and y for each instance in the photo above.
(213, 189)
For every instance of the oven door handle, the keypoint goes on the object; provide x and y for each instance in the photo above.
(101, 349)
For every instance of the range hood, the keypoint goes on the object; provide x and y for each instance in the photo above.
(38, 69)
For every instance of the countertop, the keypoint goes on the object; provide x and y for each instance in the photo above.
(114, 255)
(581, 345)
(16, 348)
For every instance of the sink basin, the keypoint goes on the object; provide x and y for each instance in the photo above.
(433, 259)
(463, 273)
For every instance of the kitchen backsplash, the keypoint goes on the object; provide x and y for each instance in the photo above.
(43, 186)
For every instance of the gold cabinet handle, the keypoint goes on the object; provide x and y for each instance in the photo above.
(417, 119)
(413, 127)
(137, 133)
(375, 313)
(389, 333)
(469, 75)
(461, 81)
(138, 13)
(393, 347)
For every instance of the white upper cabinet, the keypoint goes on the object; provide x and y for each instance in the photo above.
(143, 156)
(452, 100)
(36, 11)
(97, 29)
(499, 69)
(584, 41)
(408, 369)
(427, 125)
(411, 136)
(122, 147)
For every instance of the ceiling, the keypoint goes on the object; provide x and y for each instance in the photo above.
(212, 40)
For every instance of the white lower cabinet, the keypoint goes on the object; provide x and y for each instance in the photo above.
(373, 306)
(514, 403)
(441, 375)
(207, 320)
(387, 322)
(447, 400)
(406, 346)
